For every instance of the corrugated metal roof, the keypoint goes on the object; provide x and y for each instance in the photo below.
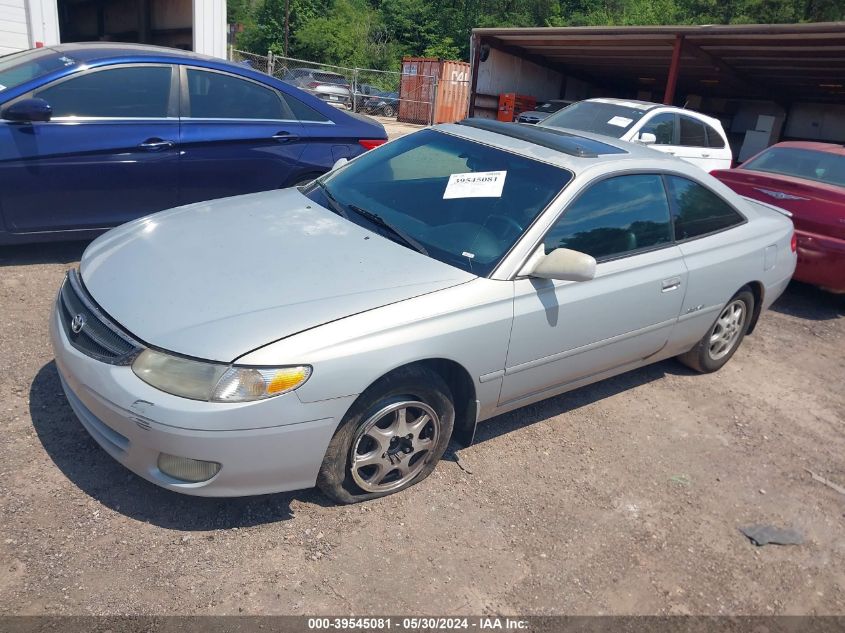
(781, 61)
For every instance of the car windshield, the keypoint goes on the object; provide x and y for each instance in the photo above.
(461, 202)
(18, 68)
(550, 106)
(607, 119)
(801, 163)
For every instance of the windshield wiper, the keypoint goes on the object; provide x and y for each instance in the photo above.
(396, 231)
(336, 206)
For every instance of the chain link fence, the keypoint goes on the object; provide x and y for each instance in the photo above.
(380, 93)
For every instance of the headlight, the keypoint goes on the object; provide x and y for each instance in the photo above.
(216, 382)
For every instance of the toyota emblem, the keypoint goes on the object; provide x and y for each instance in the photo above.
(77, 323)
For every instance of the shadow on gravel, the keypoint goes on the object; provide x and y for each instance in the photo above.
(50, 253)
(576, 399)
(98, 475)
(808, 302)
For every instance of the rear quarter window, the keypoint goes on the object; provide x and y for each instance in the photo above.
(697, 211)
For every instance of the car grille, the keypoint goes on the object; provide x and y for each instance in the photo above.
(89, 330)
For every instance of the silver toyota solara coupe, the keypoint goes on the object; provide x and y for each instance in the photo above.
(340, 334)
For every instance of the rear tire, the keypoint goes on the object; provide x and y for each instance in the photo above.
(724, 337)
(391, 438)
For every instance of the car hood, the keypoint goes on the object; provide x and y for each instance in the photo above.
(215, 280)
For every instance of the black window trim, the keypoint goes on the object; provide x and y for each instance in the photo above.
(674, 210)
(172, 99)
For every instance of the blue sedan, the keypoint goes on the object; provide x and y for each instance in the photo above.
(94, 135)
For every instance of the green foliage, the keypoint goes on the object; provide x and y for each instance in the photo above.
(377, 33)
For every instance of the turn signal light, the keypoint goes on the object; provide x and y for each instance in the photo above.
(370, 143)
(793, 244)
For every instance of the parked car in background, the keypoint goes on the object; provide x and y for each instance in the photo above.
(542, 111)
(695, 137)
(330, 87)
(360, 94)
(94, 135)
(342, 333)
(807, 179)
(384, 104)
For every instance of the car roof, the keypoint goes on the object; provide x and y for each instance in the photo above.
(94, 51)
(540, 143)
(629, 103)
(829, 148)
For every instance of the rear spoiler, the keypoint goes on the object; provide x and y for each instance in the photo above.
(769, 206)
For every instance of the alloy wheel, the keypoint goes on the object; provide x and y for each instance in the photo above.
(727, 330)
(392, 446)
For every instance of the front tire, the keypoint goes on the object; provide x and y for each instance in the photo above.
(723, 338)
(391, 438)
(388, 111)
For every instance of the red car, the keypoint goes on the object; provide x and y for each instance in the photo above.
(807, 179)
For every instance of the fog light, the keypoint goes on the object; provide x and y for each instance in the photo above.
(187, 469)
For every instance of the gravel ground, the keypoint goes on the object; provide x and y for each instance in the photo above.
(623, 497)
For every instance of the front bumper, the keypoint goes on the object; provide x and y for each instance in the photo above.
(821, 261)
(266, 446)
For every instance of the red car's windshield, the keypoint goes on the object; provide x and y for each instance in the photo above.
(823, 167)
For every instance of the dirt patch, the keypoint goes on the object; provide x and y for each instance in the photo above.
(621, 497)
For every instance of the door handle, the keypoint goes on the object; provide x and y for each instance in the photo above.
(667, 285)
(156, 145)
(705, 155)
(284, 137)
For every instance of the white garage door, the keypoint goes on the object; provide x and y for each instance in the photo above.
(14, 33)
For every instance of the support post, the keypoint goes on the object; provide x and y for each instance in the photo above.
(674, 70)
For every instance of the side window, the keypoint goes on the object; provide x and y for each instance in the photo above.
(302, 111)
(692, 132)
(223, 96)
(127, 92)
(714, 139)
(614, 217)
(697, 210)
(663, 127)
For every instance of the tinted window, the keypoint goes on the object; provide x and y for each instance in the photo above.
(608, 119)
(663, 127)
(692, 133)
(697, 210)
(714, 139)
(801, 163)
(302, 111)
(130, 92)
(428, 185)
(615, 216)
(223, 96)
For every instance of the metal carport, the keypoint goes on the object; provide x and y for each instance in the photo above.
(783, 64)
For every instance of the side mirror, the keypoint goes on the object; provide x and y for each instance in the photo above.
(647, 138)
(28, 110)
(562, 264)
(340, 162)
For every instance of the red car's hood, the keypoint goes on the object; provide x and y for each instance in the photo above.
(816, 207)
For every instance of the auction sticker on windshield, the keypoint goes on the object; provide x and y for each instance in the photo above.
(480, 184)
(620, 121)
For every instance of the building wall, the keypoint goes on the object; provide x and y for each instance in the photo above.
(14, 28)
(502, 72)
(210, 27)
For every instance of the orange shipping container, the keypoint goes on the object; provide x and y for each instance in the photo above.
(433, 90)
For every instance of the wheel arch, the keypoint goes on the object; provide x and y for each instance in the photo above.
(758, 290)
(462, 388)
